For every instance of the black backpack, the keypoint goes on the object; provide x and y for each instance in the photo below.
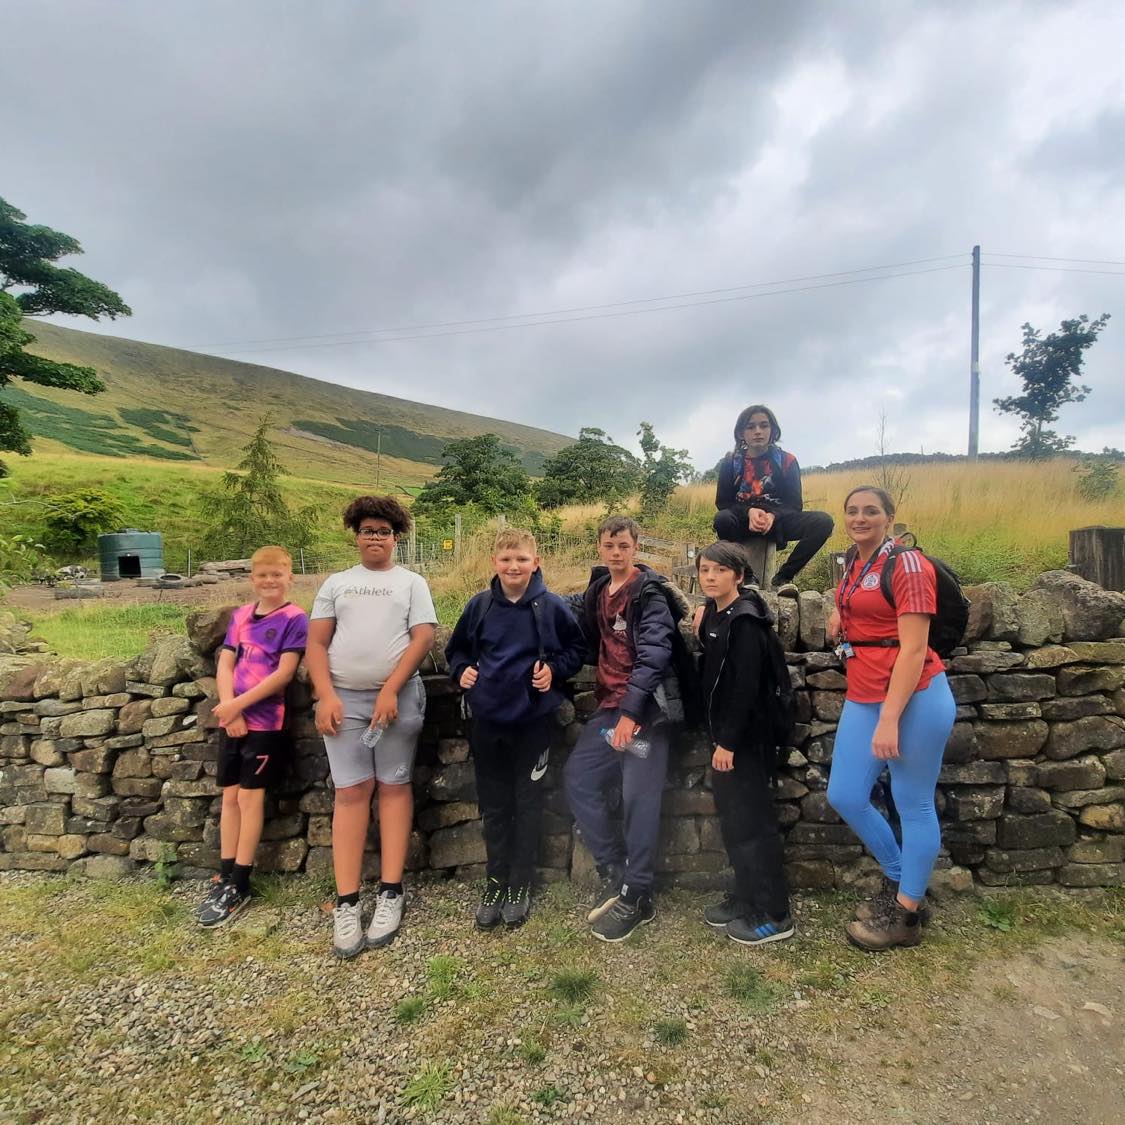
(947, 626)
(683, 663)
(777, 702)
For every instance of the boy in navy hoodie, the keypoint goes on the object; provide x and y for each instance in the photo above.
(512, 649)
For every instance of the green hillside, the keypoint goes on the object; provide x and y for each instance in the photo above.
(172, 405)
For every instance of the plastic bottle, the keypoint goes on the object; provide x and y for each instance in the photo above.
(636, 745)
(372, 734)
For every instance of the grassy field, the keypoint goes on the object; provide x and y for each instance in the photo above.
(205, 407)
(108, 992)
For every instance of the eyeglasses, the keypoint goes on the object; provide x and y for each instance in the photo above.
(375, 533)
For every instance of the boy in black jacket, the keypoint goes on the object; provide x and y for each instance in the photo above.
(629, 628)
(513, 646)
(758, 494)
(733, 630)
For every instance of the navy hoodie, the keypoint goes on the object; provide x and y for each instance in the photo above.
(504, 639)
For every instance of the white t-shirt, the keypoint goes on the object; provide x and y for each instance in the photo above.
(374, 611)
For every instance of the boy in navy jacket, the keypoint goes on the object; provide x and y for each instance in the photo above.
(513, 647)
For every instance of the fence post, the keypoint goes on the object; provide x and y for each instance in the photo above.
(302, 560)
(503, 521)
(413, 545)
(1098, 555)
(457, 536)
(188, 574)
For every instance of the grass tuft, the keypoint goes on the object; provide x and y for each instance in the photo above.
(745, 984)
(429, 1087)
(574, 986)
(670, 1033)
(410, 1009)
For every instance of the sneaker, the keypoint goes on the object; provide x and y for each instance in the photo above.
(896, 926)
(386, 920)
(883, 900)
(488, 913)
(220, 908)
(623, 917)
(718, 914)
(760, 930)
(785, 589)
(608, 892)
(517, 906)
(214, 890)
(347, 930)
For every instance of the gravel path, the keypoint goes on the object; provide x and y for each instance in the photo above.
(114, 1006)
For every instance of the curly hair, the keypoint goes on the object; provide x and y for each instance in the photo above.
(377, 508)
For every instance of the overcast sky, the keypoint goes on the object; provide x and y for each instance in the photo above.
(256, 171)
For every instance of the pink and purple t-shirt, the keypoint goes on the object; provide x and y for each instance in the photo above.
(258, 643)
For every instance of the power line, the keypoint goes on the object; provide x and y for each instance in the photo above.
(577, 308)
(1055, 269)
(1044, 258)
(493, 327)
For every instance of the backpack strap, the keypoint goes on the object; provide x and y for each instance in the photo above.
(537, 614)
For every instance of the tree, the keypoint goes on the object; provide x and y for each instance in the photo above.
(663, 469)
(27, 257)
(591, 469)
(477, 471)
(76, 519)
(1047, 367)
(248, 510)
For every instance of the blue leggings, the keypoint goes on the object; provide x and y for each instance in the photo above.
(923, 732)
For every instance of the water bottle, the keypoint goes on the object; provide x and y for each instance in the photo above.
(636, 745)
(372, 734)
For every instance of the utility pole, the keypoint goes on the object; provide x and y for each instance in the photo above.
(378, 458)
(974, 362)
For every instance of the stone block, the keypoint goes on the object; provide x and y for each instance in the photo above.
(1088, 611)
(137, 786)
(284, 827)
(446, 814)
(168, 705)
(94, 759)
(91, 785)
(829, 680)
(203, 787)
(1080, 798)
(811, 874)
(688, 802)
(1021, 739)
(1066, 708)
(968, 689)
(679, 836)
(1078, 773)
(176, 739)
(827, 705)
(974, 802)
(962, 744)
(992, 878)
(815, 809)
(150, 691)
(46, 819)
(59, 779)
(96, 808)
(1027, 859)
(281, 855)
(70, 847)
(451, 750)
(457, 845)
(126, 827)
(1021, 687)
(32, 861)
(1028, 800)
(155, 728)
(319, 831)
(973, 773)
(1082, 679)
(1108, 818)
(696, 863)
(1037, 830)
(1040, 619)
(169, 769)
(1007, 712)
(1097, 732)
(88, 724)
(1097, 849)
(170, 829)
(950, 882)
(988, 661)
(1114, 763)
(317, 801)
(106, 867)
(133, 716)
(804, 832)
(811, 629)
(46, 752)
(1092, 875)
(54, 708)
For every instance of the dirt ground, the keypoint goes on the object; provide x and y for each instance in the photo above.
(41, 599)
(1035, 1037)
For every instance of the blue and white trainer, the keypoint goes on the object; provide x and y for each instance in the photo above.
(760, 930)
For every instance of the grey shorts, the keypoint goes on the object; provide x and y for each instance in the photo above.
(392, 758)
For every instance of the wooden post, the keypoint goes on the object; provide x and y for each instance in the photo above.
(1098, 554)
(457, 536)
(302, 560)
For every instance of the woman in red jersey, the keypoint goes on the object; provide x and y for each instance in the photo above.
(898, 714)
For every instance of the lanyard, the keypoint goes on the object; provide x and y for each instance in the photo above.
(847, 595)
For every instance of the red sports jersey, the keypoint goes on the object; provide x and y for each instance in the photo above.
(866, 615)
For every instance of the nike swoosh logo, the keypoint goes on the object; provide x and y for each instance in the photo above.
(540, 767)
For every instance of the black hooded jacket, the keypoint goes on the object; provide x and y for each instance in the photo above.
(733, 666)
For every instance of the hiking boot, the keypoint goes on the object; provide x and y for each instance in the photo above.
(347, 930)
(220, 908)
(760, 930)
(517, 906)
(608, 892)
(897, 926)
(387, 919)
(718, 914)
(488, 913)
(785, 588)
(623, 917)
(882, 901)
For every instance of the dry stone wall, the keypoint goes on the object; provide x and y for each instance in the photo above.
(108, 767)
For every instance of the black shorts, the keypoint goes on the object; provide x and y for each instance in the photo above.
(255, 761)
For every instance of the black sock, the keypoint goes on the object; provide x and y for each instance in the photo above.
(348, 900)
(631, 895)
(240, 876)
(393, 888)
(226, 869)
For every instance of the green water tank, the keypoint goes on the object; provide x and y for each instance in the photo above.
(130, 553)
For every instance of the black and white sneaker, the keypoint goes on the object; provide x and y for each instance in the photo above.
(760, 930)
(222, 907)
(718, 914)
(623, 917)
(488, 913)
(517, 906)
(608, 892)
(214, 889)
